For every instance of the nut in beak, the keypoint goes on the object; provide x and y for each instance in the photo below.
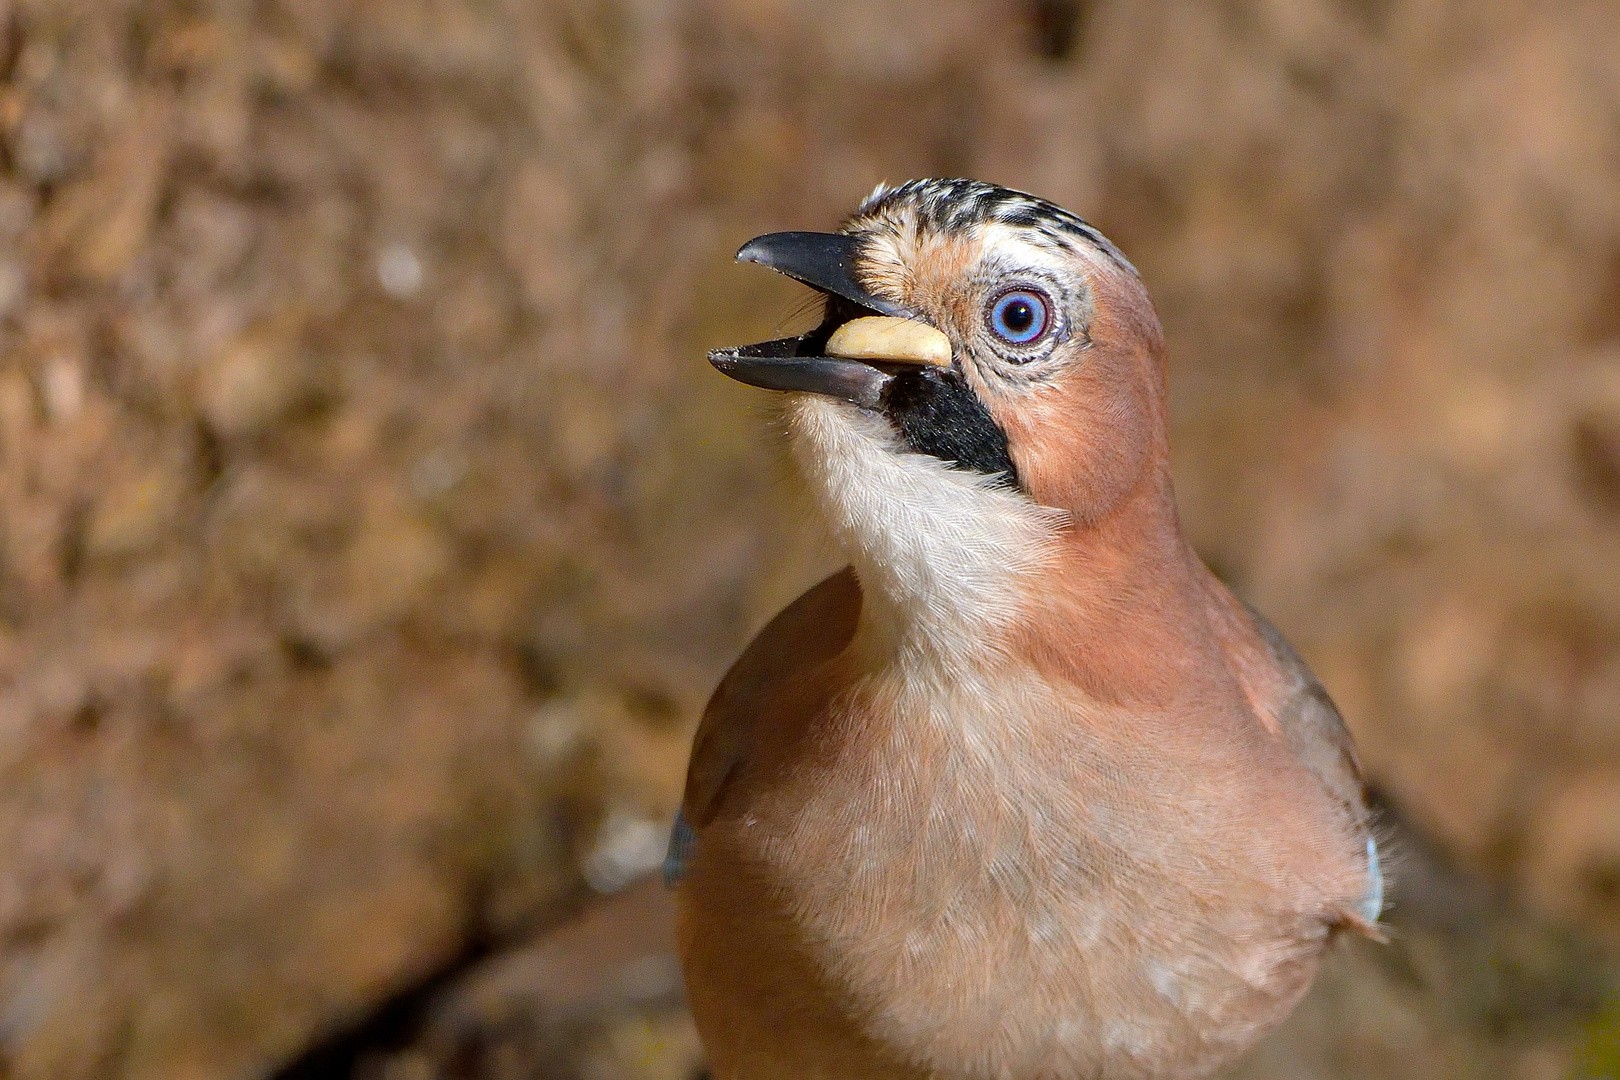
(885, 338)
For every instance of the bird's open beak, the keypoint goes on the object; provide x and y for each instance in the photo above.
(852, 359)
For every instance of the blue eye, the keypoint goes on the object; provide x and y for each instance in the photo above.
(1019, 316)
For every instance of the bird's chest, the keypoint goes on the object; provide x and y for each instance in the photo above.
(998, 894)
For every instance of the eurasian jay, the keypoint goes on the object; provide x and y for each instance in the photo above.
(1022, 792)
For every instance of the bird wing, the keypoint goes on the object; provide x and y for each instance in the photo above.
(1294, 700)
(808, 632)
(1311, 722)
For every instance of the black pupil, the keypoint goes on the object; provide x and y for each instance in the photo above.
(1019, 316)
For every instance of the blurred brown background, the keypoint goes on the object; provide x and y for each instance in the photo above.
(371, 529)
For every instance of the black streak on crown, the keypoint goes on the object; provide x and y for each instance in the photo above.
(960, 205)
(938, 414)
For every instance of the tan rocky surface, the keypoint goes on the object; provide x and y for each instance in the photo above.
(371, 529)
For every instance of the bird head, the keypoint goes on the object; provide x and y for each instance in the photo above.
(988, 373)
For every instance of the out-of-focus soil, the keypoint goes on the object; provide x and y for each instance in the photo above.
(371, 529)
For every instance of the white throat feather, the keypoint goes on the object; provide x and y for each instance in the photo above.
(944, 555)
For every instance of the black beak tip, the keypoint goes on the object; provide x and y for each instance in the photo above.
(824, 261)
(754, 252)
(776, 365)
(800, 254)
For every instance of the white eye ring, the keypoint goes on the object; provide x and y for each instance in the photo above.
(1019, 316)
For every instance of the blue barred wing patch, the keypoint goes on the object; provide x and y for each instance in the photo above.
(1372, 905)
(682, 839)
